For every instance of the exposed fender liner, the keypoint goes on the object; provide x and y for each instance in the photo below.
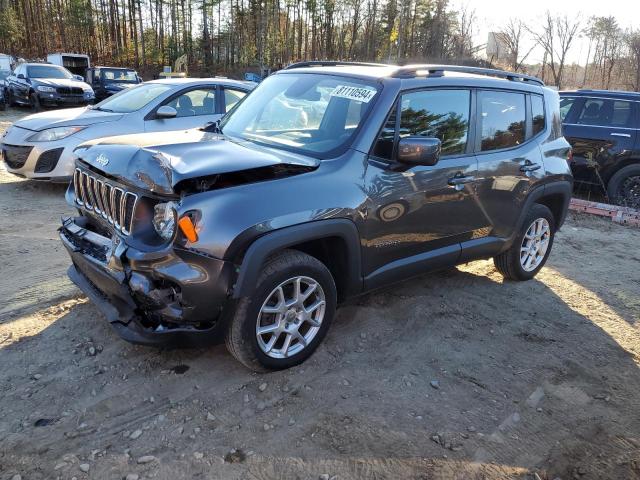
(264, 246)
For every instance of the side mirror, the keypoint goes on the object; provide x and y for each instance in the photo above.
(419, 150)
(166, 111)
(80, 78)
(21, 76)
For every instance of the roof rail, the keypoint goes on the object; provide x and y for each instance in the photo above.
(410, 71)
(331, 63)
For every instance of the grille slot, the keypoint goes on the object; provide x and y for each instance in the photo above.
(113, 203)
(70, 91)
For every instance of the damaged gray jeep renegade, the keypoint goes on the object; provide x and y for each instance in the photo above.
(329, 180)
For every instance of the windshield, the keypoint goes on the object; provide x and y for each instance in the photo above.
(48, 71)
(133, 99)
(117, 75)
(309, 113)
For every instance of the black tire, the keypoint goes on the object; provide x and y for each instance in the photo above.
(624, 187)
(241, 338)
(10, 100)
(508, 263)
(34, 102)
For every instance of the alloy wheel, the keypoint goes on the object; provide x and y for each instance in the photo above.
(290, 317)
(535, 244)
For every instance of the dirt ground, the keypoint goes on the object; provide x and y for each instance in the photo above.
(454, 375)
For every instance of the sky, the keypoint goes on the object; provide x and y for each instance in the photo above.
(491, 14)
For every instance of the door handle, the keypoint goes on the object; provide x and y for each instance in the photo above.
(529, 166)
(625, 135)
(460, 180)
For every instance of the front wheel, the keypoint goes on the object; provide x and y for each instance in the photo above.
(287, 315)
(624, 187)
(531, 248)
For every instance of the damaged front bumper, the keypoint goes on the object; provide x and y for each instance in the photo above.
(172, 297)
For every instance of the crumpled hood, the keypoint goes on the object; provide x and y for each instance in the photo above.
(66, 117)
(159, 161)
(63, 82)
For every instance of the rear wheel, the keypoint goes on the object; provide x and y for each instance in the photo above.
(624, 187)
(34, 102)
(531, 248)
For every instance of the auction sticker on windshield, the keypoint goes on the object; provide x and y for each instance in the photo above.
(359, 94)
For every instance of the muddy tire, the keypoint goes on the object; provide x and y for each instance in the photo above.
(624, 187)
(531, 247)
(287, 316)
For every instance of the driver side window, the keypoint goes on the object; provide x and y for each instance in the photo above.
(193, 103)
(442, 114)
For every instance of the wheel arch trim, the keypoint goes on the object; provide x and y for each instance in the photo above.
(258, 252)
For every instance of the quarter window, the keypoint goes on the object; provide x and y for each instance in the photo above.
(442, 114)
(502, 120)
(605, 112)
(537, 113)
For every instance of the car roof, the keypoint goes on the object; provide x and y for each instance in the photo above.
(616, 94)
(209, 81)
(415, 75)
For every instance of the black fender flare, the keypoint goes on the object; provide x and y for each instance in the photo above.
(260, 249)
(563, 188)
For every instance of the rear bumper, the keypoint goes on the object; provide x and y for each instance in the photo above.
(157, 301)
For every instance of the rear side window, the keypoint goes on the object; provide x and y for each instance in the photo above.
(231, 97)
(565, 105)
(502, 120)
(442, 114)
(537, 113)
(605, 112)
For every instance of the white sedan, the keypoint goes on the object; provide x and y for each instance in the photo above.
(40, 146)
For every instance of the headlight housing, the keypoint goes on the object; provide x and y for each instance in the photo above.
(53, 134)
(44, 88)
(164, 219)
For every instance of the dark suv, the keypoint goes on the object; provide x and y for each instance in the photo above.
(327, 181)
(602, 127)
(43, 84)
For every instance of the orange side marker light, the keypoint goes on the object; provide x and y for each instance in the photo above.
(188, 228)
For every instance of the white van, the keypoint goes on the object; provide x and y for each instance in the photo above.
(76, 63)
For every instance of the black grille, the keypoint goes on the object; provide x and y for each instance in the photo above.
(108, 200)
(15, 156)
(48, 160)
(70, 91)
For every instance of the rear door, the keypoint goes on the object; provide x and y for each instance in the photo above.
(195, 106)
(601, 133)
(509, 158)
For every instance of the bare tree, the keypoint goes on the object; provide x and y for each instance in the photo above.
(556, 38)
(511, 37)
(632, 40)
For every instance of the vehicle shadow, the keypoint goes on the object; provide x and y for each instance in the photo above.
(504, 379)
(602, 257)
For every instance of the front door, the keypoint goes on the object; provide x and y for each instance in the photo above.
(196, 107)
(418, 215)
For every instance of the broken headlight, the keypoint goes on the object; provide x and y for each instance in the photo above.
(164, 219)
